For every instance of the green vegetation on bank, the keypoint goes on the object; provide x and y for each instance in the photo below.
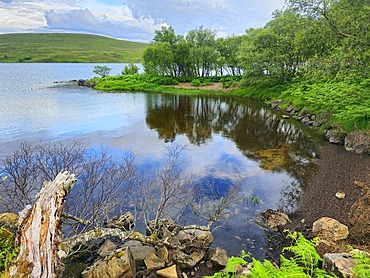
(303, 262)
(314, 55)
(67, 48)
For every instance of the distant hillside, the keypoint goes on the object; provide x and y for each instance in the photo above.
(64, 48)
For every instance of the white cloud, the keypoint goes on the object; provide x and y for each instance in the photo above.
(134, 19)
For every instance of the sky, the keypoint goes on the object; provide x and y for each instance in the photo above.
(134, 20)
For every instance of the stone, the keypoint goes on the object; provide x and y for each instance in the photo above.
(106, 248)
(340, 264)
(116, 265)
(329, 229)
(197, 256)
(340, 195)
(163, 254)
(271, 219)
(152, 262)
(83, 82)
(124, 222)
(334, 136)
(183, 260)
(198, 237)
(133, 243)
(169, 272)
(139, 253)
(357, 141)
(289, 109)
(9, 220)
(275, 104)
(285, 116)
(218, 257)
(305, 120)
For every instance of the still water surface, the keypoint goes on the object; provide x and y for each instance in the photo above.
(224, 137)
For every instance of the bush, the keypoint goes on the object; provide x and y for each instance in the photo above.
(196, 82)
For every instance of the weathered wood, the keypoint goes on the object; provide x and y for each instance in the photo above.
(38, 234)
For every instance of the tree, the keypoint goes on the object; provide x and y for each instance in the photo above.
(130, 69)
(102, 71)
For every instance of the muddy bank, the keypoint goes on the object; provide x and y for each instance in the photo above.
(336, 171)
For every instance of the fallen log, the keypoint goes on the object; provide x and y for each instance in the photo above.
(37, 234)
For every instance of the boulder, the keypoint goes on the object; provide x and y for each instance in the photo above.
(218, 257)
(106, 248)
(9, 220)
(169, 272)
(117, 265)
(197, 256)
(183, 260)
(163, 254)
(329, 229)
(334, 136)
(198, 237)
(340, 264)
(138, 255)
(271, 219)
(152, 262)
(124, 222)
(358, 141)
(275, 104)
(83, 82)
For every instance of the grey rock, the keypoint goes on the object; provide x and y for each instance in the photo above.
(106, 248)
(116, 265)
(340, 264)
(124, 222)
(152, 262)
(334, 136)
(358, 141)
(169, 272)
(271, 219)
(218, 257)
(183, 260)
(138, 255)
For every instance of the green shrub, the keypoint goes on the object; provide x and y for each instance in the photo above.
(196, 82)
(7, 250)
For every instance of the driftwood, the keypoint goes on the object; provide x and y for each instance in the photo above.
(38, 234)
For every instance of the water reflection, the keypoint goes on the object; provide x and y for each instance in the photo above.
(260, 134)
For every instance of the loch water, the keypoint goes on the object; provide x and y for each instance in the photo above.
(224, 138)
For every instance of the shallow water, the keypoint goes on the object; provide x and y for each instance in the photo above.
(224, 137)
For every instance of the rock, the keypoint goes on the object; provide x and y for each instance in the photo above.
(340, 264)
(197, 256)
(133, 243)
(9, 220)
(183, 260)
(170, 272)
(329, 229)
(271, 219)
(106, 248)
(334, 136)
(198, 237)
(358, 141)
(138, 254)
(152, 262)
(285, 117)
(124, 222)
(164, 228)
(163, 254)
(275, 104)
(340, 195)
(83, 82)
(289, 109)
(218, 257)
(305, 120)
(116, 265)
(316, 123)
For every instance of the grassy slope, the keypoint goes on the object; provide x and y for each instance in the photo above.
(68, 48)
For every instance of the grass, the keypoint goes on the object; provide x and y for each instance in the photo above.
(67, 48)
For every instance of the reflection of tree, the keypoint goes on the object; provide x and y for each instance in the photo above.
(259, 133)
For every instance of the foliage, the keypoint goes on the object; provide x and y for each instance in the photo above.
(68, 48)
(7, 250)
(304, 262)
(102, 71)
(129, 69)
(362, 269)
(198, 53)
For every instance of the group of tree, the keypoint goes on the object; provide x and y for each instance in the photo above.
(307, 38)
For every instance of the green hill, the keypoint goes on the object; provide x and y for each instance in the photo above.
(64, 48)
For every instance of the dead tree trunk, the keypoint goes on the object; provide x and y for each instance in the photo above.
(38, 234)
